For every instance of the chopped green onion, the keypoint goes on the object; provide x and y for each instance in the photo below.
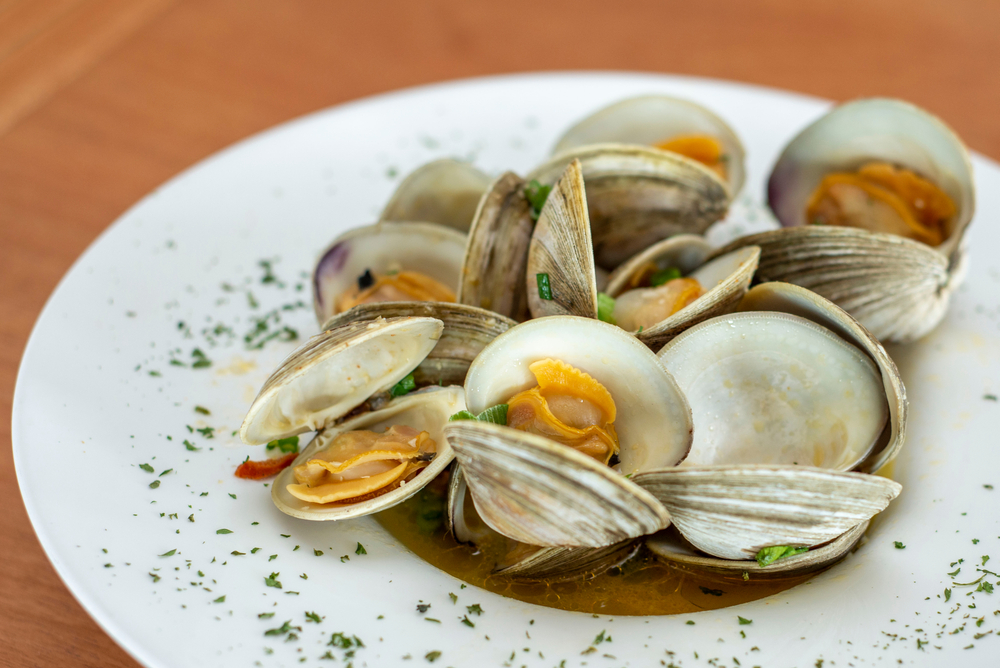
(286, 445)
(404, 386)
(536, 194)
(606, 308)
(495, 414)
(544, 289)
(769, 555)
(664, 275)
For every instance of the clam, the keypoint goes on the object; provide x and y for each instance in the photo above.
(791, 398)
(496, 253)
(639, 195)
(466, 332)
(520, 560)
(577, 392)
(388, 262)
(672, 549)
(667, 123)
(673, 285)
(875, 198)
(444, 191)
(373, 448)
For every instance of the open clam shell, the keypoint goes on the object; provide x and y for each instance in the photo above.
(432, 250)
(733, 512)
(543, 493)
(648, 120)
(725, 279)
(467, 330)
(561, 250)
(673, 550)
(637, 196)
(444, 191)
(334, 372)
(496, 255)
(896, 287)
(426, 410)
(796, 300)
(522, 561)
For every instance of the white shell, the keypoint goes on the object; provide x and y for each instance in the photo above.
(444, 191)
(651, 119)
(334, 372)
(427, 410)
(773, 388)
(733, 512)
(671, 549)
(430, 249)
(639, 195)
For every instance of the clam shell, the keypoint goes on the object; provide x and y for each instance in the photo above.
(897, 288)
(427, 409)
(496, 254)
(650, 119)
(542, 493)
(733, 512)
(560, 247)
(444, 191)
(562, 564)
(431, 249)
(334, 372)
(466, 332)
(801, 302)
(637, 196)
(725, 278)
(526, 562)
(671, 549)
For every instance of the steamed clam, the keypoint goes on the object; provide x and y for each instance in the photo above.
(666, 123)
(875, 198)
(372, 449)
(388, 262)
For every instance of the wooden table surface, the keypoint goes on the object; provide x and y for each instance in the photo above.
(102, 100)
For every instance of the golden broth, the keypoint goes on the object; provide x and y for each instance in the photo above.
(641, 586)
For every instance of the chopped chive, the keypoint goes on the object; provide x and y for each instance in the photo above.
(664, 275)
(544, 288)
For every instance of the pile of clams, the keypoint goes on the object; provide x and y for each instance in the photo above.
(592, 376)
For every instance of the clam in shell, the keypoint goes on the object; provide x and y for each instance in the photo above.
(544, 493)
(897, 287)
(652, 120)
(389, 450)
(723, 281)
(466, 331)
(785, 387)
(385, 252)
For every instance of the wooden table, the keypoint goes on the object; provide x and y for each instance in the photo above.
(102, 100)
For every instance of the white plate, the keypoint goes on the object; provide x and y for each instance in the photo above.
(84, 419)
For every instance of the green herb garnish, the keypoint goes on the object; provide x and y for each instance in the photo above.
(664, 275)
(432, 656)
(361, 549)
(404, 386)
(536, 194)
(313, 617)
(744, 621)
(606, 308)
(769, 555)
(146, 467)
(286, 445)
(223, 531)
(272, 581)
(899, 545)
(202, 410)
(494, 414)
(544, 288)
